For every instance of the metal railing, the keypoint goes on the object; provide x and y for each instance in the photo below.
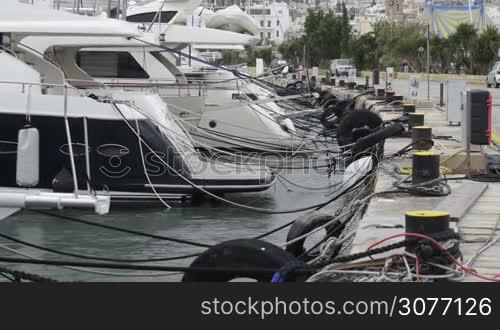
(194, 88)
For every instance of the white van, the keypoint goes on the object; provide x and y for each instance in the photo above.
(341, 67)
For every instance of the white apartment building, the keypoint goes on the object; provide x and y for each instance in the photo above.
(273, 18)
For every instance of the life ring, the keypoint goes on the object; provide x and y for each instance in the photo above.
(244, 256)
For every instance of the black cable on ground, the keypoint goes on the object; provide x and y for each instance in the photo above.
(484, 177)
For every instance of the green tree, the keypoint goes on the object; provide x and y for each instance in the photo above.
(463, 43)
(407, 41)
(292, 50)
(485, 51)
(363, 51)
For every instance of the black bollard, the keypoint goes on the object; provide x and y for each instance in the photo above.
(409, 108)
(375, 77)
(441, 94)
(425, 167)
(415, 119)
(421, 137)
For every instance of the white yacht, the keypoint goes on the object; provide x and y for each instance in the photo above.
(122, 142)
(231, 18)
(225, 112)
(169, 11)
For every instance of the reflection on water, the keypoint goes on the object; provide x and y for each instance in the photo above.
(208, 222)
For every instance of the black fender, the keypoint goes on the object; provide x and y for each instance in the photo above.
(356, 119)
(339, 109)
(329, 102)
(303, 225)
(380, 135)
(242, 255)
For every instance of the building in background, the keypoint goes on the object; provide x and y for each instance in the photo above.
(395, 10)
(273, 18)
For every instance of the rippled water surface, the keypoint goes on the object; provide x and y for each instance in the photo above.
(208, 222)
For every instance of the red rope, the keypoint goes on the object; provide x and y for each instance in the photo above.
(494, 278)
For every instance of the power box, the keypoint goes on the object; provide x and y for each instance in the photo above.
(454, 108)
(479, 110)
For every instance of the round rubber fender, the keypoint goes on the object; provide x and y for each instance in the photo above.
(340, 109)
(343, 107)
(380, 135)
(323, 94)
(356, 119)
(303, 225)
(242, 255)
(329, 102)
(328, 96)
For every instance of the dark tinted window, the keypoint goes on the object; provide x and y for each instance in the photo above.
(166, 16)
(110, 65)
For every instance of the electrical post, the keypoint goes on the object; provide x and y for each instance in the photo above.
(428, 63)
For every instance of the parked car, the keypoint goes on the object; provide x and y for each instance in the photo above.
(277, 66)
(493, 77)
(341, 67)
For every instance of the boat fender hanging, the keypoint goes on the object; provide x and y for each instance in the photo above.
(238, 258)
(356, 119)
(303, 225)
(28, 157)
(380, 135)
(63, 181)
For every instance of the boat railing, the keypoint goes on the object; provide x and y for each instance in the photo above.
(26, 86)
(92, 7)
(164, 87)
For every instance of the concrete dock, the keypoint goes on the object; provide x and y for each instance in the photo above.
(478, 222)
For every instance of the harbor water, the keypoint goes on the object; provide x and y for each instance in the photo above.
(209, 222)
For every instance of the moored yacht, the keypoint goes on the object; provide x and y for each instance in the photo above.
(124, 144)
(225, 112)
